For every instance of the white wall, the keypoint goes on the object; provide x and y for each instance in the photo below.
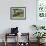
(24, 25)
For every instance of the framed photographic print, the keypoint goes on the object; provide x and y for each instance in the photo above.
(41, 12)
(18, 13)
(41, 8)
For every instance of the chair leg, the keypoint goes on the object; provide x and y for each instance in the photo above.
(5, 43)
(5, 39)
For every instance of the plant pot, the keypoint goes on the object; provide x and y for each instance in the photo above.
(40, 40)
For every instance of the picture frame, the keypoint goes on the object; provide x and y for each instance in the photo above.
(41, 8)
(18, 13)
(40, 12)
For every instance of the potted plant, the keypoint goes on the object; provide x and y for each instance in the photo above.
(39, 35)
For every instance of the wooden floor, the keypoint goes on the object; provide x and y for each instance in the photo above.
(13, 44)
